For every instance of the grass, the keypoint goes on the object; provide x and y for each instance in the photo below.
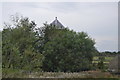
(0, 73)
(10, 73)
(107, 59)
(105, 62)
(95, 58)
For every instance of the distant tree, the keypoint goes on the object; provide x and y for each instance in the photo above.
(67, 51)
(118, 52)
(101, 62)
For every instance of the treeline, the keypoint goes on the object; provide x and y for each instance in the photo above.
(27, 48)
(108, 53)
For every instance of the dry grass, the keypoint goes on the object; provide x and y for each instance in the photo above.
(85, 74)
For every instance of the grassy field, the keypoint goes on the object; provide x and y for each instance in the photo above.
(107, 59)
(85, 74)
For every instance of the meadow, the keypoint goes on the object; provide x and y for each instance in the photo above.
(83, 74)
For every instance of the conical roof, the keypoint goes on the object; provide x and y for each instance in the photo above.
(57, 24)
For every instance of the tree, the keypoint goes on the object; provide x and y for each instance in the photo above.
(68, 51)
(48, 48)
(19, 45)
(101, 62)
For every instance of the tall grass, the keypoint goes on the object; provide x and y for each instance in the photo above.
(14, 73)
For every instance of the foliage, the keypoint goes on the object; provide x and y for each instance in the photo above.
(18, 46)
(108, 53)
(28, 48)
(67, 51)
(101, 62)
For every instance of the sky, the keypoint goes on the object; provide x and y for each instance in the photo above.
(98, 19)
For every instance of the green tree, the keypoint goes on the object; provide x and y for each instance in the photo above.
(68, 51)
(101, 62)
(19, 45)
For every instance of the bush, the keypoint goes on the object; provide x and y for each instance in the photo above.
(67, 51)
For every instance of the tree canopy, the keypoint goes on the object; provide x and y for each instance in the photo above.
(18, 46)
(46, 48)
(67, 51)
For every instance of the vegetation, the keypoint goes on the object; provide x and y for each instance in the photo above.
(57, 49)
(0, 54)
(27, 49)
(54, 75)
(68, 51)
(18, 46)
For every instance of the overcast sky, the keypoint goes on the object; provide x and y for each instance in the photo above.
(98, 19)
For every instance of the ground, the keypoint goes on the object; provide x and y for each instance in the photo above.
(83, 74)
